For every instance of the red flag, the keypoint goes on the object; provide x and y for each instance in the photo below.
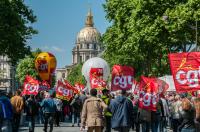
(79, 86)
(185, 70)
(148, 96)
(31, 86)
(162, 85)
(62, 92)
(96, 78)
(69, 86)
(44, 85)
(122, 77)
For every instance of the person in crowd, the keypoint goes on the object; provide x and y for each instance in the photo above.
(122, 112)
(164, 113)
(6, 113)
(105, 97)
(49, 108)
(82, 97)
(76, 105)
(92, 113)
(59, 105)
(175, 110)
(66, 112)
(136, 123)
(187, 117)
(145, 119)
(32, 110)
(197, 113)
(17, 104)
(156, 118)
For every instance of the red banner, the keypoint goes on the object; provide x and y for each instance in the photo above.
(79, 87)
(44, 86)
(96, 78)
(62, 92)
(148, 96)
(122, 77)
(31, 86)
(185, 70)
(69, 86)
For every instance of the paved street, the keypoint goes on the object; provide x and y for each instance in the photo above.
(65, 127)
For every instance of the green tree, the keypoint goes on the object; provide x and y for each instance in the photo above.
(15, 29)
(142, 37)
(75, 75)
(25, 67)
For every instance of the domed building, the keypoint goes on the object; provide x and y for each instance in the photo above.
(87, 45)
(87, 42)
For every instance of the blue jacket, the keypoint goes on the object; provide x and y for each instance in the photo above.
(48, 105)
(122, 112)
(6, 111)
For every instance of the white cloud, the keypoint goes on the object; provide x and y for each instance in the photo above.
(57, 49)
(50, 48)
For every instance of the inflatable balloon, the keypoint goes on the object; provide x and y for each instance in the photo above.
(45, 63)
(95, 62)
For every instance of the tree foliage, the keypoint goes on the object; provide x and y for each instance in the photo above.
(75, 75)
(144, 32)
(15, 29)
(25, 67)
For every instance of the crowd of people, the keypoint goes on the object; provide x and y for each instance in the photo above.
(101, 112)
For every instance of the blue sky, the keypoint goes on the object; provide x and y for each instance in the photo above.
(59, 21)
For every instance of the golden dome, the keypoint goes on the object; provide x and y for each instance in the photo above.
(88, 34)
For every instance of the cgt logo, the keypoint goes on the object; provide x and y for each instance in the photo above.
(43, 67)
(190, 78)
(31, 87)
(64, 91)
(98, 82)
(123, 81)
(147, 98)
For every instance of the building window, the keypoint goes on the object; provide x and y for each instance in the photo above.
(81, 46)
(88, 46)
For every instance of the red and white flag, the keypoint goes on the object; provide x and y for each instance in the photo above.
(96, 78)
(31, 86)
(122, 77)
(185, 68)
(148, 96)
(79, 86)
(62, 92)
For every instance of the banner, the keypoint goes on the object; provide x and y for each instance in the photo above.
(69, 86)
(96, 78)
(148, 95)
(122, 77)
(62, 92)
(79, 87)
(185, 68)
(44, 86)
(31, 86)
